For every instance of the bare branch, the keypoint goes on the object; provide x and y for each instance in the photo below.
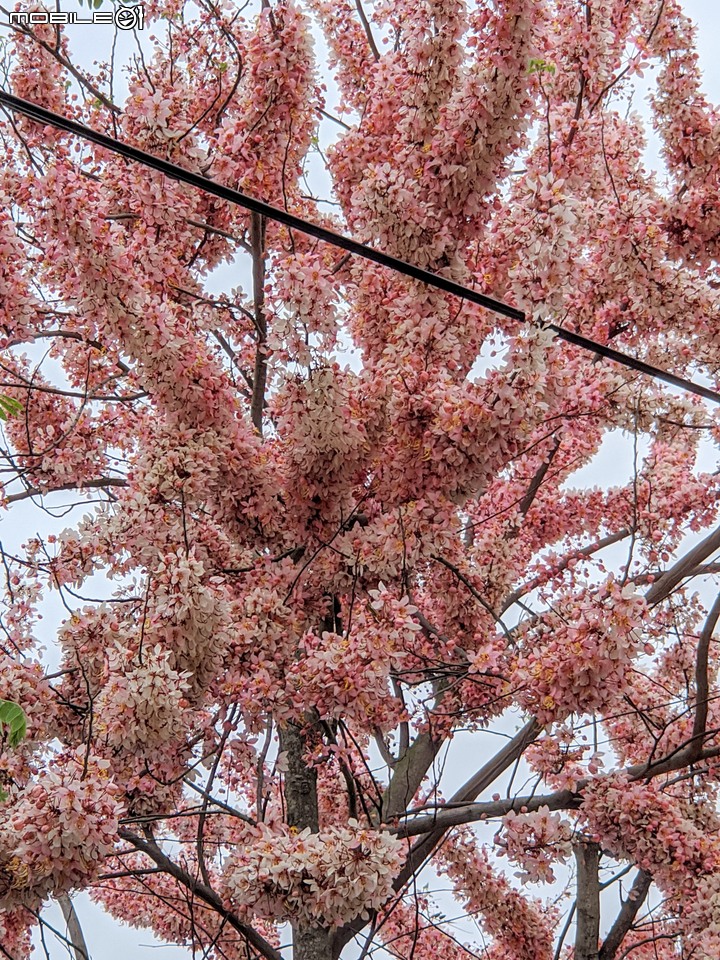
(408, 773)
(366, 28)
(536, 482)
(74, 929)
(588, 551)
(448, 816)
(457, 812)
(626, 917)
(203, 892)
(663, 587)
(99, 483)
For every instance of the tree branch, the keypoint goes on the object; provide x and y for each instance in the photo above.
(366, 28)
(203, 892)
(448, 816)
(663, 587)
(457, 812)
(408, 773)
(101, 482)
(702, 686)
(626, 917)
(74, 929)
(588, 551)
(536, 482)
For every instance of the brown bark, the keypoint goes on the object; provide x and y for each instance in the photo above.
(666, 583)
(301, 806)
(587, 936)
(301, 803)
(702, 685)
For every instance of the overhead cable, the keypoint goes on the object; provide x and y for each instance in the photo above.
(48, 118)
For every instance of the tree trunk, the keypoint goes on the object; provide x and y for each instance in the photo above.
(309, 943)
(587, 936)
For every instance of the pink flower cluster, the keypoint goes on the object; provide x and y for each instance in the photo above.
(56, 832)
(142, 706)
(318, 420)
(574, 659)
(637, 820)
(328, 877)
(352, 679)
(673, 838)
(15, 928)
(521, 928)
(191, 618)
(534, 841)
(305, 321)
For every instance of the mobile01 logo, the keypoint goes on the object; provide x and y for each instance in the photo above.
(124, 18)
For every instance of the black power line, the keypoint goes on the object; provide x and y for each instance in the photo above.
(41, 115)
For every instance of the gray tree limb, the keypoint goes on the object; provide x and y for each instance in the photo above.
(74, 930)
(587, 931)
(626, 917)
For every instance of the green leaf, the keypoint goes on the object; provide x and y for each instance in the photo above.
(97, 3)
(8, 407)
(12, 717)
(541, 66)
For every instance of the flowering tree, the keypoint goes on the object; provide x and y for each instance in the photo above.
(290, 583)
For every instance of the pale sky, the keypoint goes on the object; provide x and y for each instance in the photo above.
(108, 939)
